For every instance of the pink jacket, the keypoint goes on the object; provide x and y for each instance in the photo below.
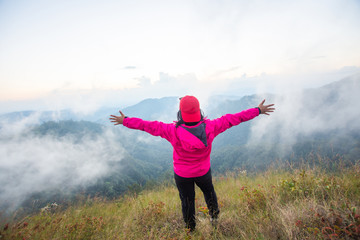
(192, 144)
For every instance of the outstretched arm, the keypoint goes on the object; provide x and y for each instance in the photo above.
(117, 119)
(155, 128)
(227, 121)
(266, 109)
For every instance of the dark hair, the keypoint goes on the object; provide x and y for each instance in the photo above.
(181, 121)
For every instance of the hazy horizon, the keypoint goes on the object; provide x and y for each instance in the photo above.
(87, 102)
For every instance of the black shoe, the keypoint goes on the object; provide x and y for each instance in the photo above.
(191, 227)
(214, 222)
(189, 230)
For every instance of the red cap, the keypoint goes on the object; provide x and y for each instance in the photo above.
(190, 109)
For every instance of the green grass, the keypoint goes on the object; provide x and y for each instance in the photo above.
(306, 203)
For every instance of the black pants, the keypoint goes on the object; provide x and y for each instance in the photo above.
(186, 189)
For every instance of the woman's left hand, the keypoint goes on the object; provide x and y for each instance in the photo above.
(117, 119)
(266, 109)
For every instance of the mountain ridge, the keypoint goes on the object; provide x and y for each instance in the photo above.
(153, 108)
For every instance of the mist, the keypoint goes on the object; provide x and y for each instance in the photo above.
(30, 163)
(305, 112)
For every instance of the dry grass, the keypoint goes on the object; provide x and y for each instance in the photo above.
(305, 203)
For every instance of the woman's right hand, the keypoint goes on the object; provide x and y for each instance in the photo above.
(117, 119)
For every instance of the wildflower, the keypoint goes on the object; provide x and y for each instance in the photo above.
(204, 210)
(44, 209)
(298, 223)
(54, 205)
(25, 224)
(243, 172)
(350, 226)
(6, 227)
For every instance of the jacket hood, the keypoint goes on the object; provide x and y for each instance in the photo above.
(192, 138)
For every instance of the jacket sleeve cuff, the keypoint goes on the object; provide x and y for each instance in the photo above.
(125, 120)
(259, 110)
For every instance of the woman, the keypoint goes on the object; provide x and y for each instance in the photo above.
(191, 137)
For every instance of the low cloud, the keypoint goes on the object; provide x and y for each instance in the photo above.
(306, 112)
(31, 163)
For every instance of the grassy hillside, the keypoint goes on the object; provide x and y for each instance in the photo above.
(306, 203)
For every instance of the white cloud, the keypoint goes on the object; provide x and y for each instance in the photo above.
(304, 112)
(30, 164)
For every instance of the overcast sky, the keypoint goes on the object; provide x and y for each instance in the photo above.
(84, 49)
